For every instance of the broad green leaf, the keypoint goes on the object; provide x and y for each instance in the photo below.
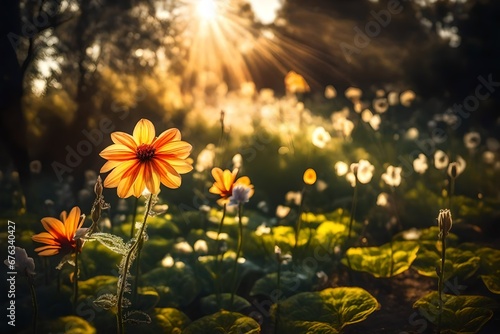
(461, 314)
(164, 320)
(69, 325)
(284, 236)
(490, 268)
(176, 286)
(147, 298)
(459, 263)
(382, 261)
(330, 234)
(492, 282)
(290, 283)
(98, 284)
(224, 322)
(329, 310)
(210, 304)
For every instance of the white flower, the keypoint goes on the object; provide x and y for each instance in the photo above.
(363, 170)
(167, 261)
(351, 178)
(205, 159)
(213, 235)
(353, 93)
(375, 122)
(412, 134)
(330, 92)
(472, 140)
(407, 98)
(241, 194)
(347, 127)
(282, 211)
(392, 177)
(420, 164)
(200, 246)
(383, 199)
(393, 98)
(320, 137)
(262, 229)
(321, 185)
(457, 167)
(441, 160)
(183, 247)
(380, 105)
(341, 168)
(366, 115)
(237, 161)
(294, 197)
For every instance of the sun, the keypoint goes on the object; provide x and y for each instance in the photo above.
(207, 10)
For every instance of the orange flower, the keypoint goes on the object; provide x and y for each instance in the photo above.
(309, 176)
(60, 234)
(225, 182)
(144, 161)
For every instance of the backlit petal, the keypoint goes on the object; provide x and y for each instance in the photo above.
(109, 165)
(144, 132)
(118, 152)
(72, 222)
(166, 137)
(48, 250)
(55, 227)
(181, 166)
(124, 139)
(44, 238)
(177, 149)
(140, 181)
(153, 178)
(116, 174)
(126, 184)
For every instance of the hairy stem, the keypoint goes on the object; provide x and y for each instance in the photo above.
(126, 266)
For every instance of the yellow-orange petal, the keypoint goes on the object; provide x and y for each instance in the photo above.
(166, 137)
(48, 250)
(168, 175)
(245, 180)
(125, 185)
(123, 138)
(140, 180)
(227, 179)
(114, 177)
(177, 149)
(181, 166)
(73, 222)
(144, 132)
(109, 165)
(55, 227)
(153, 179)
(118, 152)
(215, 190)
(44, 238)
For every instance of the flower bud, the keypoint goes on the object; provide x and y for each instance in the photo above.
(444, 222)
(98, 186)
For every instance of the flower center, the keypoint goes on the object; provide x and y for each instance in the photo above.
(145, 152)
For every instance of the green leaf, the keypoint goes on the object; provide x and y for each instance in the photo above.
(164, 320)
(382, 261)
(490, 268)
(69, 325)
(460, 263)
(290, 284)
(224, 322)
(327, 311)
(210, 304)
(330, 234)
(147, 298)
(111, 241)
(461, 314)
(176, 286)
(103, 284)
(284, 237)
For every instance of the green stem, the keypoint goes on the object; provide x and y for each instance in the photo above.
(126, 266)
(75, 280)
(299, 219)
(353, 209)
(277, 301)
(137, 269)
(238, 252)
(35, 305)
(218, 266)
(134, 214)
(452, 191)
(441, 278)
